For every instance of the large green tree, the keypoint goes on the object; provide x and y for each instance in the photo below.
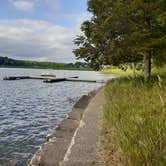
(146, 16)
(123, 31)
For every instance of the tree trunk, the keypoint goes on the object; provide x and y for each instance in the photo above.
(147, 66)
(134, 69)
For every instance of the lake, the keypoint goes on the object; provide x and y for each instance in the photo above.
(30, 109)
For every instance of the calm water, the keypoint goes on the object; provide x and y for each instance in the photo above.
(29, 109)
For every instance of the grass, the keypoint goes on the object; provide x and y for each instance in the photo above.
(134, 125)
(119, 72)
(116, 71)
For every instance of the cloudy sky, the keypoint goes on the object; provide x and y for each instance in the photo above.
(40, 29)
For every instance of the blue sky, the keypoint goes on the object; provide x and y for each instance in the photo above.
(40, 29)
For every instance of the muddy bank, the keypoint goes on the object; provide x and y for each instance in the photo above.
(53, 151)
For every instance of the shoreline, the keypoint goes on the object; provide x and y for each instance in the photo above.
(54, 149)
(24, 67)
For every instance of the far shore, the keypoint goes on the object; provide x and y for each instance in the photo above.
(26, 67)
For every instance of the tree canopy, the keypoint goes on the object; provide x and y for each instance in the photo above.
(124, 31)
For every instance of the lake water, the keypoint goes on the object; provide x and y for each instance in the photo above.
(29, 109)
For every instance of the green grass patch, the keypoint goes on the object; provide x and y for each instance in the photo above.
(134, 125)
(119, 72)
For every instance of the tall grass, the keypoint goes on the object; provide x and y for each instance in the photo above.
(134, 129)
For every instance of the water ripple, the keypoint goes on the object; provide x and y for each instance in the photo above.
(30, 108)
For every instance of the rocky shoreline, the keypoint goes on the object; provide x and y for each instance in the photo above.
(53, 151)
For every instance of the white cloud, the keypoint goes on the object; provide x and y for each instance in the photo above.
(23, 5)
(35, 39)
(53, 4)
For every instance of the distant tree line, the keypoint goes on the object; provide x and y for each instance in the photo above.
(8, 62)
(124, 31)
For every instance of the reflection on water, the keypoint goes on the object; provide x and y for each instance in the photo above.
(30, 108)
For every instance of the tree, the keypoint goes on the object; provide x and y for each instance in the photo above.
(123, 31)
(103, 41)
(145, 16)
(92, 46)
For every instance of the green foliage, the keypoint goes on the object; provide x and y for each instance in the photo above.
(7, 62)
(123, 31)
(135, 122)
